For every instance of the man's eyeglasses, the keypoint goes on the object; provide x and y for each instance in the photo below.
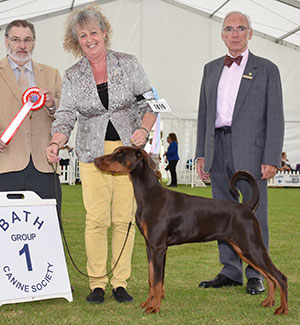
(17, 40)
(230, 30)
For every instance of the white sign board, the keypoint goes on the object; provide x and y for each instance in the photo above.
(159, 105)
(286, 179)
(32, 260)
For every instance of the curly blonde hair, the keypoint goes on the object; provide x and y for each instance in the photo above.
(81, 17)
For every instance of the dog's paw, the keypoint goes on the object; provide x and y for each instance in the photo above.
(268, 303)
(152, 310)
(281, 311)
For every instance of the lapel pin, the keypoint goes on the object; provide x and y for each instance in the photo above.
(249, 76)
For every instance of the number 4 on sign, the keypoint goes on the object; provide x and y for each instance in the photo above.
(25, 250)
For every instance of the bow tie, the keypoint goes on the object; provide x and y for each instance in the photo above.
(229, 60)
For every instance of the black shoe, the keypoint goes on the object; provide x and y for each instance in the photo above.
(121, 295)
(172, 185)
(219, 281)
(96, 296)
(255, 286)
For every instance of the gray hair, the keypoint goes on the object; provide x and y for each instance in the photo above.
(247, 17)
(20, 23)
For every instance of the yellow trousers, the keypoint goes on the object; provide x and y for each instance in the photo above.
(108, 199)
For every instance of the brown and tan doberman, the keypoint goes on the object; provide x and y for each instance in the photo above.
(166, 218)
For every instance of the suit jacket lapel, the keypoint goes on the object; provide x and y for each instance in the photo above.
(86, 80)
(246, 82)
(10, 79)
(39, 75)
(114, 76)
(113, 68)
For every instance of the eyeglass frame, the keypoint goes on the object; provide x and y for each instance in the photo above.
(240, 29)
(17, 40)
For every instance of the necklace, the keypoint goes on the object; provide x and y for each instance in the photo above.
(102, 86)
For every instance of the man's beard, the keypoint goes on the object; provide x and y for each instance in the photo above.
(16, 57)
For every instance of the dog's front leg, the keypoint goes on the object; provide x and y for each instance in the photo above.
(156, 286)
(147, 303)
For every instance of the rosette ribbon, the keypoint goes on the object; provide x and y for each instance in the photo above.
(32, 101)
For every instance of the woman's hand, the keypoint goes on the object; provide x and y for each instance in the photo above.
(139, 137)
(52, 152)
(57, 142)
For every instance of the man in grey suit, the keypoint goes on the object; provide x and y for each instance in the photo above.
(240, 127)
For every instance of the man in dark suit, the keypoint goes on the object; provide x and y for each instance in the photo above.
(23, 163)
(240, 127)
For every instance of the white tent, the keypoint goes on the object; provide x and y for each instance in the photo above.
(173, 40)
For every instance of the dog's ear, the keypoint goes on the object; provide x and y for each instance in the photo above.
(151, 163)
(158, 174)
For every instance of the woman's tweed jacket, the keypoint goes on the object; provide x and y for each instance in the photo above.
(80, 101)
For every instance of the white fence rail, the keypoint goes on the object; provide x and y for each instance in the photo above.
(188, 176)
(69, 172)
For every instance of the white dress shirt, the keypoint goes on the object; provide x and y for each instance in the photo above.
(228, 88)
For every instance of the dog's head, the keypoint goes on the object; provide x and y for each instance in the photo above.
(124, 160)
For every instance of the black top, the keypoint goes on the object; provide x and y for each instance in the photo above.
(111, 132)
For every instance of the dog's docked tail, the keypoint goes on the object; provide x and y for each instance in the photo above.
(244, 175)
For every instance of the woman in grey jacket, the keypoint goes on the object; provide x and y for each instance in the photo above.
(107, 92)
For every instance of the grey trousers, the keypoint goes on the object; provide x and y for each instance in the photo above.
(220, 174)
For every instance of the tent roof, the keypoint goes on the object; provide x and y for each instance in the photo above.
(38, 9)
(278, 19)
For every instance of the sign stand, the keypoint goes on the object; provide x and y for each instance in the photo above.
(32, 260)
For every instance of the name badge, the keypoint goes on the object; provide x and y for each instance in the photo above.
(159, 105)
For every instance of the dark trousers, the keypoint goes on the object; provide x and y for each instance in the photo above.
(30, 179)
(172, 168)
(220, 174)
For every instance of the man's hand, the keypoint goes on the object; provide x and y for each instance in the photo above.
(200, 169)
(2, 146)
(268, 171)
(49, 97)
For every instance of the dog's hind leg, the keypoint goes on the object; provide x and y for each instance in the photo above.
(281, 281)
(273, 277)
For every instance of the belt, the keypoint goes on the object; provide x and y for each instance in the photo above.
(224, 129)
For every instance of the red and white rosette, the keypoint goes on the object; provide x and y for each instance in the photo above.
(32, 101)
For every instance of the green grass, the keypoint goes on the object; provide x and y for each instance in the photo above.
(186, 266)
